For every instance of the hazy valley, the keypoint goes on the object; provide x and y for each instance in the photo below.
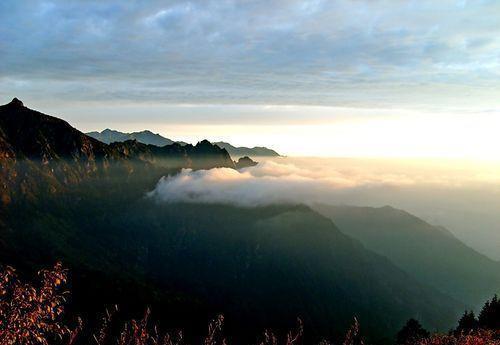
(280, 172)
(187, 233)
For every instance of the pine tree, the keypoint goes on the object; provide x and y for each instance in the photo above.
(467, 323)
(411, 333)
(489, 318)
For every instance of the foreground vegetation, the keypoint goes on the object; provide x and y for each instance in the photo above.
(35, 314)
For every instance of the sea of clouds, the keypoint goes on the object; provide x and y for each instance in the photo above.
(465, 198)
(296, 181)
(267, 183)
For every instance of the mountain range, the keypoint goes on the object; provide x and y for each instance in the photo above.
(430, 254)
(39, 153)
(109, 136)
(257, 151)
(67, 196)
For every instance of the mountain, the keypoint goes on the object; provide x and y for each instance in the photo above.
(75, 199)
(245, 162)
(247, 151)
(32, 135)
(260, 267)
(203, 155)
(109, 136)
(40, 153)
(430, 254)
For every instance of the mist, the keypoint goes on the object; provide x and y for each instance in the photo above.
(462, 196)
(269, 182)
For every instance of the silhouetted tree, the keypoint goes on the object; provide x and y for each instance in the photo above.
(411, 333)
(467, 323)
(489, 318)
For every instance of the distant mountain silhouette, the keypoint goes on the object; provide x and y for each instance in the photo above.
(109, 136)
(428, 253)
(247, 151)
(39, 152)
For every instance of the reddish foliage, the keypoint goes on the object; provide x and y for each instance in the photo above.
(29, 314)
(482, 337)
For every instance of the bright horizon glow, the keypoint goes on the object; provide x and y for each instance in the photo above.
(310, 130)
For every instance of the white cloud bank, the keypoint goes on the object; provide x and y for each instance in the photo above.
(269, 183)
(311, 181)
(461, 196)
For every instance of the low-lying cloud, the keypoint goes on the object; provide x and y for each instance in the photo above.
(249, 187)
(272, 182)
(461, 197)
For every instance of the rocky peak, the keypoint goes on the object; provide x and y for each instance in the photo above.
(245, 162)
(204, 143)
(16, 103)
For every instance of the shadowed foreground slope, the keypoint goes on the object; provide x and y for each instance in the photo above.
(83, 202)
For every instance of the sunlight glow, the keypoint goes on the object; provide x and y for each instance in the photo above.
(469, 136)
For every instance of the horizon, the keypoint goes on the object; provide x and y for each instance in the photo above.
(308, 78)
(195, 133)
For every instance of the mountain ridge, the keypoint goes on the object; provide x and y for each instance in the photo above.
(428, 253)
(109, 136)
(271, 263)
(257, 151)
(42, 152)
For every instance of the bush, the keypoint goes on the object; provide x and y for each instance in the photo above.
(32, 314)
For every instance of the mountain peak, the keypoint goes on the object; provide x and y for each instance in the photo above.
(16, 103)
(245, 162)
(204, 142)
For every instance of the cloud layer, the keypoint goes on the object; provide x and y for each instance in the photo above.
(309, 181)
(249, 187)
(463, 198)
(255, 52)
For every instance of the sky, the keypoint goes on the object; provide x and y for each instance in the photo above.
(364, 78)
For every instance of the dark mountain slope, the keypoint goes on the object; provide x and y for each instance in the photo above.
(40, 153)
(428, 253)
(261, 267)
(203, 155)
(41, 137)
(32, 135)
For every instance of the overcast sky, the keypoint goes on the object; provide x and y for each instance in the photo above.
(251, 71)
